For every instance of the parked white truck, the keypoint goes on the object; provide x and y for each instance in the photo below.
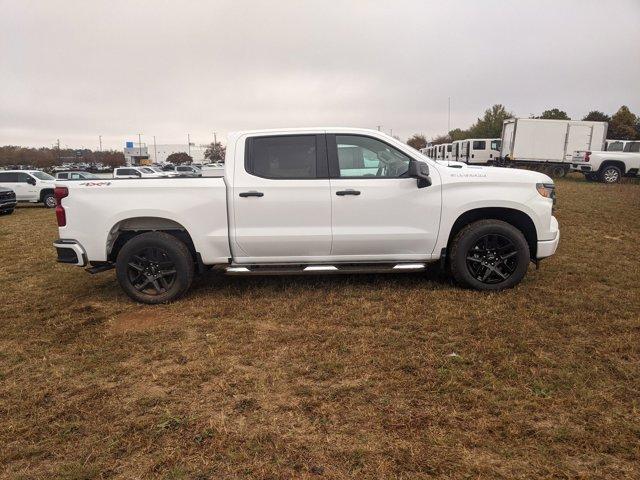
(548, 145)
(606, 167)
(326, 200)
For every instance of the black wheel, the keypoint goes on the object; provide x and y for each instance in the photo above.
(591, 177)
(154, 267)
(610, 174)
(49, 200)
(9, 211)
(557, 171)
(489, 255)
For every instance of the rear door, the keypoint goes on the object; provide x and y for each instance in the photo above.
(578, 138)
(378, 212)
(281, 203)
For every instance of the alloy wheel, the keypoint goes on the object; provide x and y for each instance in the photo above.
(611, 175)
(151, 271)
(492, 259)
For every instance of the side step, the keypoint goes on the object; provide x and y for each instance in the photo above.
(324, 269)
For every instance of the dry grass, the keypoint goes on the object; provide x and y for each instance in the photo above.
(328, 377)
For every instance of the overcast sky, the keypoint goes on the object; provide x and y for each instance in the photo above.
(74, 70)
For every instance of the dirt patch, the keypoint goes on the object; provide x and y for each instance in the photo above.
(137, 321)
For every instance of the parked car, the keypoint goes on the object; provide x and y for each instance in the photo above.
(138, 172)
(188, 171)
(76, 176)
(607, 167)
(31, 186)
(7, 201)
(548, 144)
(301, 201)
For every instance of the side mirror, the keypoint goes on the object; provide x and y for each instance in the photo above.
(31, 181)
(420, 171)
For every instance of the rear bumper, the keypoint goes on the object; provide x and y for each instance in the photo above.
(546, 248)
(70, 252)
(580, 167)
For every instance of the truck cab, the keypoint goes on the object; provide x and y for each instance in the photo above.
(31, 186)
(479, 151)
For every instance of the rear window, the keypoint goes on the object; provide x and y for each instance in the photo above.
(282, 157)
(479, 145)
(615, 146)
(8, 177)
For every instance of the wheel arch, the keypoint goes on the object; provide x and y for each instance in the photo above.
(615, 163)
(128, 228)
(517, 218)
(44, 192)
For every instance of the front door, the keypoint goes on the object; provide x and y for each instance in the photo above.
(379, 214)
(281, 202)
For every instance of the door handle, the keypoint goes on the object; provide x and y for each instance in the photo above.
(252, 193)
(342, 193)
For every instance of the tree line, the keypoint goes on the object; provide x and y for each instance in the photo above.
(46, 157)
(623, 125)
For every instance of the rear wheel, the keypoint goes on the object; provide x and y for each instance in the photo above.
(154, 267)
(49, 200)
(489, 255)
(610, 174)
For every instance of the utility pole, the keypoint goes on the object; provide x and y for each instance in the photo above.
(378, 127)
(139, 148)
(215, 140)
(449, 116)
(189, 143)
(100, 140)
(155, 151)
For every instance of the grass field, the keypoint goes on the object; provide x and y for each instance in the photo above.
(328, 377)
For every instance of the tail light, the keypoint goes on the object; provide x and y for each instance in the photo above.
(61, 216)
(587, 155)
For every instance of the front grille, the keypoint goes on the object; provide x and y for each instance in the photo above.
(7, 195)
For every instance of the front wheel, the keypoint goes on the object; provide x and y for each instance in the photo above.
(154, 267)
(610, 174)
(489, 255)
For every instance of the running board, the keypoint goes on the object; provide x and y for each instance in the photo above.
(284, 269)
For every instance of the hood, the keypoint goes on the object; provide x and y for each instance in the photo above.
(461, 172)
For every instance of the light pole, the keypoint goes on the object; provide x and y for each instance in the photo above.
(155, 151)
(100, 140)
(139, 147)
(449, 116)
(189, 144)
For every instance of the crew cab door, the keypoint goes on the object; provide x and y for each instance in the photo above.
(281, 203)
(378, 212)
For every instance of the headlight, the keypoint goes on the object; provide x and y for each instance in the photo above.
(547, 190)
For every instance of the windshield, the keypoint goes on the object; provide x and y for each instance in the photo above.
(89, 175)
(147, 170)
(42, 176)
(157, 169)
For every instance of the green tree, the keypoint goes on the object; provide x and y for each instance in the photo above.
(490, 125)
(215, 152)
(417, 141)
(179, 158)
(623, 125)
(596, 116)
(554, 114)
(458, 134)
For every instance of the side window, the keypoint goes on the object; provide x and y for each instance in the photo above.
(63, 176)
(22, 177)
(496, 144)
(632, 147)
(282, 157)
(360, 156)
(8, 177)
(479, 144)
(449, 148)
(75, 176)
(615, 147)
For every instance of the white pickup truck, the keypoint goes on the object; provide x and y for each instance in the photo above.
(326, 200)
(607, 167)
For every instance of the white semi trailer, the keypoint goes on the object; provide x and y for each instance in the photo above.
(548, 145)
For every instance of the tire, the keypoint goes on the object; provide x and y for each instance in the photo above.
(6, 212)
(49, 200)
(557, 171)
(489, 255)
(154, 267)
(610, 174)
(591, 177)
